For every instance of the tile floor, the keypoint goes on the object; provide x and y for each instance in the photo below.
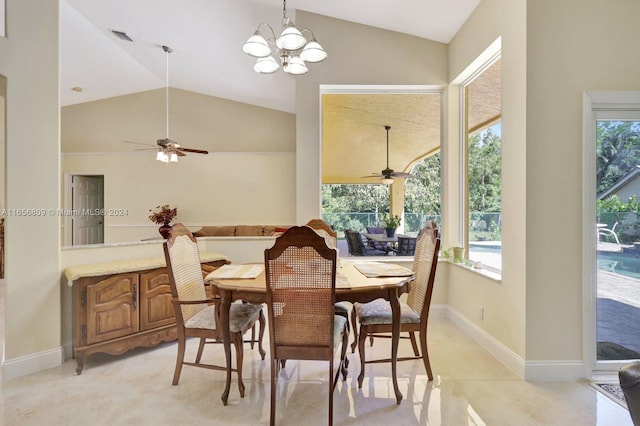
(470, 388)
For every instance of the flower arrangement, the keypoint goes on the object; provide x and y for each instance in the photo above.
(390, 221)
(163, 214)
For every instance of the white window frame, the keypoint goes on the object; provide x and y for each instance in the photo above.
(464, 137)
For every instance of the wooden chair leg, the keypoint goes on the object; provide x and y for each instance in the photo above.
(425, 353)
(355, 330)
(274, 372)
(361, 341)
(344, 361)
(253, 336)
(200, 350)
(261, 335)
(238, 343)
(179, 360)
(414, 344)
(331, 385)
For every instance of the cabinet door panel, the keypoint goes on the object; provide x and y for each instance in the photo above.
(112, 308)
(156, 308)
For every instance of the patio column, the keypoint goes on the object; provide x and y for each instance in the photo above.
(396, 200)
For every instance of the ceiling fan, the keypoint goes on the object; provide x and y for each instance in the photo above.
(168, 149)
(387, 175)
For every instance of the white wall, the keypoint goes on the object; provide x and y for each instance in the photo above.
(32, 295)
(503, 302)
(573, 46)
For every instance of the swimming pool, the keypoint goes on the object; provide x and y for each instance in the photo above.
(629, 266)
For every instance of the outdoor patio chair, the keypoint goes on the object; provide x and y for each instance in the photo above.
(378, 245)
(358, 246)
(606, 232)
(406, 245)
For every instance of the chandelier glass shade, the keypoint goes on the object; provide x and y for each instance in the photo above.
(292, 47)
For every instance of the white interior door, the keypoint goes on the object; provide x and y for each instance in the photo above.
(87, 221)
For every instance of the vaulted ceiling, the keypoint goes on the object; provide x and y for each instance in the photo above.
(207, 38)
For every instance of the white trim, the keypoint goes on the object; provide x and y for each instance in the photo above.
(601, 105)
(379, 89)
(505, 355)
(32, 363)
(562, 370)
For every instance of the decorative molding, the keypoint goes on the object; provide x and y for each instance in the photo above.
(32, 363)
(560, 370)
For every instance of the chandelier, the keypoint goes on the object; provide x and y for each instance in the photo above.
(293, 48)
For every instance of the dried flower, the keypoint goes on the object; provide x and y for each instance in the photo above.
(163, 214)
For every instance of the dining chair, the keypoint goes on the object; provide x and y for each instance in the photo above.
(331, 238)
(375, 317)
(197, 314)
(300, 272)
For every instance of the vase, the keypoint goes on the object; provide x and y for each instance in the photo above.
(390, 232)
(165, 230)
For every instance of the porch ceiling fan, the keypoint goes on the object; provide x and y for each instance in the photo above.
(387, 175)
(168, 149)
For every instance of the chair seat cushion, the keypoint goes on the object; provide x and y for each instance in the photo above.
(205, 319)
(343, 308)
(339, 327)
(240, 316)
(379, 312)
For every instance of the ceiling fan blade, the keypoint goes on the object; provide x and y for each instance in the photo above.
(372, 175)
(401, 175)
(180, 154)
(196, 151)
(138, 143)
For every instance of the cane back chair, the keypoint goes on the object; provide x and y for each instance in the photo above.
(196, 314)
(300, 271)
(375, 317)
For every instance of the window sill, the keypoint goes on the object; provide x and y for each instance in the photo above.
(494, 276)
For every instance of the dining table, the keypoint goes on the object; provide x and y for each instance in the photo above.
(352, 285)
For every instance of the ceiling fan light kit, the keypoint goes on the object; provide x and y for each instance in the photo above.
(169, 150)
(293, 48)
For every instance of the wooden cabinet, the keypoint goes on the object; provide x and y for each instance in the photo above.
(114, 313)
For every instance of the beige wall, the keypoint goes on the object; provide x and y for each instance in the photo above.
(195, 121)
(32, 293)
(503, 302)
(257, 160)
(572, 46)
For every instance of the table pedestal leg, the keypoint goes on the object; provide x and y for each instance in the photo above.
(395, 339)
(225, 306)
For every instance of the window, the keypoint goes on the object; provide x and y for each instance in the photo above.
(483, 167)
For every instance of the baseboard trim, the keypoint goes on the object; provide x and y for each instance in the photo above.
(31, 363)
(505, 355)
(540, 371)
(532, 371)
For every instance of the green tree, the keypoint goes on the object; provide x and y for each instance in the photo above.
(484, 172)
(617, 151)
(422, 192)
